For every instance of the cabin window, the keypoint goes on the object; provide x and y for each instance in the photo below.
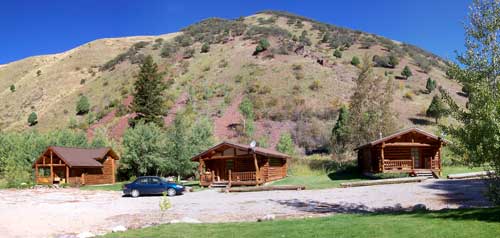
(273, 162)
(43, 172)
(230, 164)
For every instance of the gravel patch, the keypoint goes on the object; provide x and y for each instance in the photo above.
(66, 212)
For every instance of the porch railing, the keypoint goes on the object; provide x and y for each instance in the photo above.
(243, 176)
(398, 164)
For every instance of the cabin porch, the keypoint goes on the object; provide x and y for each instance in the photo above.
(234, 170)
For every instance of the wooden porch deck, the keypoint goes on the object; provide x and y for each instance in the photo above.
(233, 178)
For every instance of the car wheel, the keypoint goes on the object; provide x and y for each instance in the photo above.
(171, 192)
(135, 193)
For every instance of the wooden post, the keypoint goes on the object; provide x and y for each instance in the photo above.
(51, 168)
(382, 156)
(113, 179)
(67, 173)
(257, 170)
(439, 156)
(229, 171)
(83, 177)
(36, 173)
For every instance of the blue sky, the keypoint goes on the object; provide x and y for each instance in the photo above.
(42, 27)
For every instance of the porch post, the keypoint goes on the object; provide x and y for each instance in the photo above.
(67, 174)
(36, 173)
(257, 170)
(113, 179)
(51, 168)
(382, 156)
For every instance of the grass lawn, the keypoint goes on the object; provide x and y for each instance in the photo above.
(320, 180)
(459, 169)
(107, 187)
(479, 222)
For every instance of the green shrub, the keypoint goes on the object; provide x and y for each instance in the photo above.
(262, 45)
(17, 175)
(188, 53)
(390, 61)
(337, 54)
(82, 106)
(205, 48)
(32, 119)
(168, 50)
(38, 73)
(82, 81)
(12, 88)
(430, 85)
(285, 144)
(355, 61)
(315, 85)
(406, 72)
(183, 40)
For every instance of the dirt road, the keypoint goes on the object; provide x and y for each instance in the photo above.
(50, 212)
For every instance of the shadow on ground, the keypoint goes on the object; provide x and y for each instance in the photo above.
(464, 193)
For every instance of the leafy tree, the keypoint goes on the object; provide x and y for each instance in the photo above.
(262, 45)
(430, 85)
(32, 119)
(355, 61)
(148, 98)
(12, 88)
(144, 149)
(285, 144)
(205, 48)
(406, 72)
(246, 108)
(370, 111)
(337, 54)
(477, 137)
(82, 106)
(437, 108)
(340, 132)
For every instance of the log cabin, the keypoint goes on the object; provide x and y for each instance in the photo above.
(411, 151)
(230, 164)
(76, 166)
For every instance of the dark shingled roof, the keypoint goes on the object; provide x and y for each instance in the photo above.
(80, 157)
(258, 150)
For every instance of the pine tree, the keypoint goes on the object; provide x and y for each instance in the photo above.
(430, 85)
(437, 108)
(32, 119)
(406, 72)
(82, 106)
(148, 99)
(340, 132)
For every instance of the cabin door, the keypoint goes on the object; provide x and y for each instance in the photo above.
(415, 155)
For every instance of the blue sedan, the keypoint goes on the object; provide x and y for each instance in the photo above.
(149, 185)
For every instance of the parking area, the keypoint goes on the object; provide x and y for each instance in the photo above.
(54, 212)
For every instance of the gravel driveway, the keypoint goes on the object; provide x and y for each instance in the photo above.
(53, 212)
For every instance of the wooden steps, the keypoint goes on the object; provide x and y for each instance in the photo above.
(220, 184)
(426, 173)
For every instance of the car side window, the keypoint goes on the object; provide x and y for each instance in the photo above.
(154, 181)
(142, 181)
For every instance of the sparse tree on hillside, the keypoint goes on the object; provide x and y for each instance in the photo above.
(38, 73)
(478, 135)
(406, 72)
(148, 98)
(82, 106)
(437, 108)
(12, 88)
(32, 119)
(393, 61)
(430, 85)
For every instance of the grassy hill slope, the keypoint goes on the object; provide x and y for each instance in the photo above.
(296, 86)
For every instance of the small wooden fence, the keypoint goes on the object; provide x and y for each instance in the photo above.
(398, 164)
